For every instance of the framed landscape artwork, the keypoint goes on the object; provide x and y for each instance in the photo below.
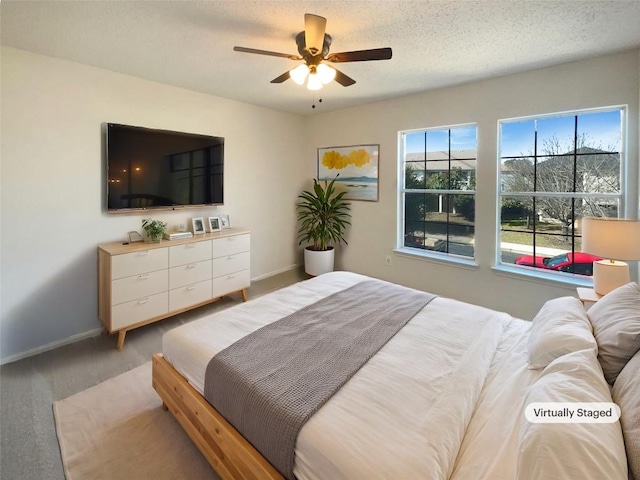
(358, 169)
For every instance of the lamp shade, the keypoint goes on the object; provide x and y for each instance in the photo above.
(612, 238)
(615, 239)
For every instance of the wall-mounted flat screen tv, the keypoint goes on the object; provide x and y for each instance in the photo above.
(148, 168)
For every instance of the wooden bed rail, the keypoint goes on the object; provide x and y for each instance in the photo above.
(224, 448)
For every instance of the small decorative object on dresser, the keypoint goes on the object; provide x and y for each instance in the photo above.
(198, 225)
(134, 236)
(224, 221)
(155, 229)
(214, 224)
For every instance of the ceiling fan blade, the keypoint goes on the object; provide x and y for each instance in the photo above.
(361, 55)
(266, 52)
(343, 79)
(281, 78)
(314, 28)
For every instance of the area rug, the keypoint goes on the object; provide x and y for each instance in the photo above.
(118, 430)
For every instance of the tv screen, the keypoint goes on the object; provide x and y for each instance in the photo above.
(149, 168)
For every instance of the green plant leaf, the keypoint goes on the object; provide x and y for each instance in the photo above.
(323, 216)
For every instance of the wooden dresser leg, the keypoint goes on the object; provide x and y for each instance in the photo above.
(164, 406)
(121, 335)
(244, 294)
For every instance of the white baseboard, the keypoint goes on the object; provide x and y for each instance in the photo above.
(98, 331)
(50, 346)
(276, 272)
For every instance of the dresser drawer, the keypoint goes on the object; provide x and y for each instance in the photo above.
(184, 297)
(138, 286)
(230, 245)
(189, 273)
(189, 253)
(129, 264)
(231, 264)
(136, 311)
(231, 283)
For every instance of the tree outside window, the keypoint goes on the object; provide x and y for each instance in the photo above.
(438, 194)
(555, 170)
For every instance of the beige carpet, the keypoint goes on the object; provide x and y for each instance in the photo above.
(118, 430)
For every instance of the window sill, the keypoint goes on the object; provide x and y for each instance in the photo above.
(542, 277)
(450, 260)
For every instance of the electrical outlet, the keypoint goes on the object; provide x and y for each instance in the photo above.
(387, 260)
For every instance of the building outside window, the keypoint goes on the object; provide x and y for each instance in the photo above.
(437, 195)
(554, 170)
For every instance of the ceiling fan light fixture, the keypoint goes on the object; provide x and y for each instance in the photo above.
(299, 74)
(313, 48)
(314, 82)
(326, 73)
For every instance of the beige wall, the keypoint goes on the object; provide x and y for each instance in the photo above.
(610, 80)
(52, 171)
(52, 199)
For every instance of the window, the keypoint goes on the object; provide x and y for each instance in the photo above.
(554, 170)
(438, 171)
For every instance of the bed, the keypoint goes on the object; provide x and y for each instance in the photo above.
(443, 398)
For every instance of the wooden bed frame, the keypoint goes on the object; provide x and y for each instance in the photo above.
(231, 456)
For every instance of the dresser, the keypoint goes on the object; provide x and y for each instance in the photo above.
(142, 283)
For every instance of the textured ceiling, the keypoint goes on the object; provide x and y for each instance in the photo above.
(189, 44)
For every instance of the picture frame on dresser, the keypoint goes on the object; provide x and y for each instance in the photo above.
(198, 225)
(215, 224)
(225, 222)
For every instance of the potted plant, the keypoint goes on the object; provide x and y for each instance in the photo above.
(323, 217)
(155, 229)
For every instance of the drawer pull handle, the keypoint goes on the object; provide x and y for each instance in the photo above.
(190, 246)
(191, 287)
(144, 253)
(143, 276)
(229, 277)
(231, 239)
(230, 257)
(142, 301)
(191, 265)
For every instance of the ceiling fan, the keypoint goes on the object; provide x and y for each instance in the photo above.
(313, 47)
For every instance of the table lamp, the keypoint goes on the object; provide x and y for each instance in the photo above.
(614, 239)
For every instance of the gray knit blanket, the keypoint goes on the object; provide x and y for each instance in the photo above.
(270, 382)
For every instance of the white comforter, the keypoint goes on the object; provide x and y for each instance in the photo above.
(407, 414)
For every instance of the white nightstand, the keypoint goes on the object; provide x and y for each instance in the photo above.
(587, 295)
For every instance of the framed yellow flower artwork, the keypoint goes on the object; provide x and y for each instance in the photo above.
(356, 168)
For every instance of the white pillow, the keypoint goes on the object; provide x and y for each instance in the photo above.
(562, 451)
(560, 327)
(616, 326)
(626, 393)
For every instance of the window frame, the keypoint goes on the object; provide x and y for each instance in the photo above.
(539, 274)
(441, 257)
